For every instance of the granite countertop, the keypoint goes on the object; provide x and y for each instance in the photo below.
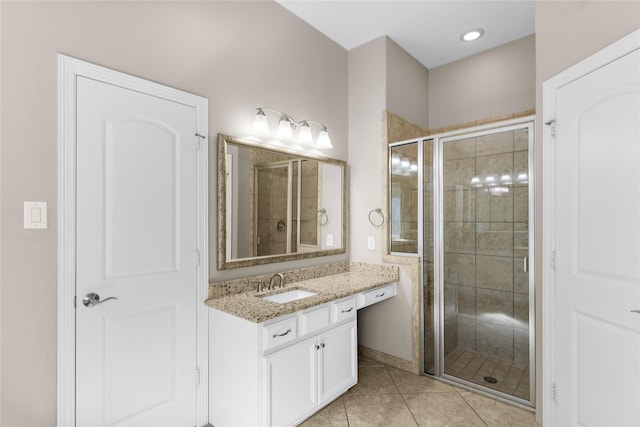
(251, 307)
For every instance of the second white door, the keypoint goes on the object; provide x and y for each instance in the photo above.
(596, 359)
(136, 243)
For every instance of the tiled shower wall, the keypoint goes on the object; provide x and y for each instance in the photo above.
(485, 242)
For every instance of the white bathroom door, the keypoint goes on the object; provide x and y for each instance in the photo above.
(596, 343)
(136, 243)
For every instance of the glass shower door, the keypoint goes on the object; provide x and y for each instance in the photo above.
(485, 233)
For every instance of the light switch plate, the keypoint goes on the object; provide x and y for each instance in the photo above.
(371, 243)
(35, 215)
(329, 239)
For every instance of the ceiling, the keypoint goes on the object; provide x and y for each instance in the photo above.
(429, 30)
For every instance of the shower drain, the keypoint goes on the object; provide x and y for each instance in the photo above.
(490, 380)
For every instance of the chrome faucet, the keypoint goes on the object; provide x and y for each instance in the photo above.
(273, 279)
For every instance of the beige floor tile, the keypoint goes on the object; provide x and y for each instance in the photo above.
(373, 380)
(442, 410)
(365, 361)
(333, 415)
(379, 410)
(495, 413)
(411, 383)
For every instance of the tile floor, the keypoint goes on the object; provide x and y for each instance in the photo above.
(389, 397)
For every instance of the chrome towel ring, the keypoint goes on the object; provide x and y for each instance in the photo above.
(380, 214)
(324, 218)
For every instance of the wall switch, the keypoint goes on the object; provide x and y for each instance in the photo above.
(329, 239)
(371, 243)
(35, 215)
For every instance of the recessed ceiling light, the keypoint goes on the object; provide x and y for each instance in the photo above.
(472, 35)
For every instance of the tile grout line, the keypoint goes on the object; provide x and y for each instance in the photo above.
(346, 414)
(472, 408)
(401, 396)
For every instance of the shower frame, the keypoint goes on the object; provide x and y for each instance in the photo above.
(438, 141)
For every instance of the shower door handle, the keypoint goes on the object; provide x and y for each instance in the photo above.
(525, 264)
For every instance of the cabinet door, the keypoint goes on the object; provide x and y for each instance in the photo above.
(291, 383)
(338, 365)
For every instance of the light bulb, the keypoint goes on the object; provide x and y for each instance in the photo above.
(260, 124)
(284, 129)
(304, 137)
(324, 142)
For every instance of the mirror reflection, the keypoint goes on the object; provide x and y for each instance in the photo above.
(277, 205)
(404, 198)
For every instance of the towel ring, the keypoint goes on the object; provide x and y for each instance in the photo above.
(324, 218)
(379, 212)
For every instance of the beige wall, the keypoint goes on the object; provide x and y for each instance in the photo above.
(407, 83)
(239, 55)
(566, 33)
(380, 73)
(492, 83)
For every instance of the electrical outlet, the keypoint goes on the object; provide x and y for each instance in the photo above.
(371, 243)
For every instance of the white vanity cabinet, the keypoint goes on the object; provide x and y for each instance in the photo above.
(281, 371)
(304, 376)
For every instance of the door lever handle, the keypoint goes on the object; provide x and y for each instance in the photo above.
(635, 311)
(91, 299)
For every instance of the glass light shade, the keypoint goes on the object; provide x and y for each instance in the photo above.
(324, 142)
(284, 129)
(260, 123)
(304, 137)
(475, 181)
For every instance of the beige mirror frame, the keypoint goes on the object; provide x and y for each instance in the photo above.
(225, 261)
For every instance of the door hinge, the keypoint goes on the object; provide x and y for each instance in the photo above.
(197, 376)
(552, 124)
(199, 137)
(197, 259)
(554, 392)
(553, 260)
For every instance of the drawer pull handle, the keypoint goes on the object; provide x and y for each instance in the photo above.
(282, 334)
(347, 311)
(380, 295)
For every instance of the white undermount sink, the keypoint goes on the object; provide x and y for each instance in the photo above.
(292, 295)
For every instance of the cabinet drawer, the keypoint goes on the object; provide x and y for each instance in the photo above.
(314, 319)
(376, 295)
(343, 310)
(280, 332)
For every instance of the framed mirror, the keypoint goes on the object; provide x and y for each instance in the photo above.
(277, 205)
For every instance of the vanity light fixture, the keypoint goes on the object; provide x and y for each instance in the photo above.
(287, 125)
(471, 35)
